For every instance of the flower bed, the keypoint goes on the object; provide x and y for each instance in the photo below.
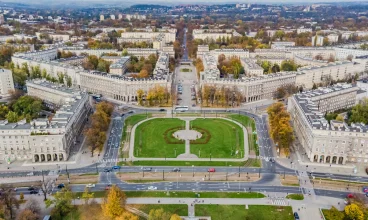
(206, 136)
(170, 139)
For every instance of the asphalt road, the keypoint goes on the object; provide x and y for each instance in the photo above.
(269, 170)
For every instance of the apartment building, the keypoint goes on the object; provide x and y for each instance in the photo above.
(340, 70)
(45, 55)
(202, 49)
(254, 88)
(251, 68)
(210, 67)
(168, 35)
(282, 44)
(142, 52)
(60, 37)
(46, 140)
(303, 30)
(135, 16)
(331, 142)
(317, 40)
(6, 82)
(120, 66)
(119, 87)
(80, 51)
(213, 34)
(229, 53)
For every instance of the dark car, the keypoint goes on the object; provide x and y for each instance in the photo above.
(116, 167)
(32, 188)
(33, 192)
(272, 160)
(122, 115)
(296, 216)
(147, 169)
(61, 185)
(106, 170)
(176, 169)
(131, 112)
(162, 110)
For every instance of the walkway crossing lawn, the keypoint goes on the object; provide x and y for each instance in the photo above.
(238, 212)
(132, 120)
(251, 126)
(149, 139)
(226, 138)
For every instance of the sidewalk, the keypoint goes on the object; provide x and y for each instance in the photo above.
(300, 162)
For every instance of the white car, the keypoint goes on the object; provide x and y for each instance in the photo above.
(90, 185)
(30, 174)
(152, 188)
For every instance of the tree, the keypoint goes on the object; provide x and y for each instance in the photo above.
(140, 94)
(280, 93)
(114, 202)
(68, 81)
(12, 117)
(339, 117)
(92, 211)
(27, 214)
(143, 74)
(3, 111)
(86, 196)
(280, 128)
(353, 212)
(359, 113)
(60, 78)
(288, 65)
(334, 214)
(9, 201)
(158, 214)
(175, 217)
(62, 203)
(125, 52)
(33, 205)
(127, 216)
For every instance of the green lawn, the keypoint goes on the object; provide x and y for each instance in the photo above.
(295, 196)
(149, 139)
(238, 212)
(185, 70)
(226, 138)
(180, 194)
(249, 163)
(248, 123)
(132, 120)
(180, 209)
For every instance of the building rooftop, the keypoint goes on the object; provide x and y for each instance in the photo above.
(315, 118)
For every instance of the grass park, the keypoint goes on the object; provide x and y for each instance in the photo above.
(185, 70)
(226, 138)
(150, 141)
(259, 212)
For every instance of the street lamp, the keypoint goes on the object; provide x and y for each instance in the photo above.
(193, 169)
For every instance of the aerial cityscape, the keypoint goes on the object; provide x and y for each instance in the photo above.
(183, 110)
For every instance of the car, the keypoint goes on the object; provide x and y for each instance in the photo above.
(116, 167)
(176, 169)
(131, 112)
(152, 188)
(296, 216)
(147, 168)
(193, 105)
(211, 170)
(33, 192)
(272, 160)
(61, 185)
(106, 170)
(31, 188)
(30, 174)
(350, 196)
(122, 115)
(366, 194)
(90, 185)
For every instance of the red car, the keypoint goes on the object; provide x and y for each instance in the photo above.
(350, 196)
(212, 170)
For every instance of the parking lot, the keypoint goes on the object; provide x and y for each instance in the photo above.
(185, 85)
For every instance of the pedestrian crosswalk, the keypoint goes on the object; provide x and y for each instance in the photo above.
(278, 201)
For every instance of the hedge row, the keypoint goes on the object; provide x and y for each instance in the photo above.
(169, 138)
(206, 136)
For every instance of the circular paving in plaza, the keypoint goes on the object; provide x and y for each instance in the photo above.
(187, 135)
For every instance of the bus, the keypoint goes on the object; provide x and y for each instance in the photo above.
(181, 108)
